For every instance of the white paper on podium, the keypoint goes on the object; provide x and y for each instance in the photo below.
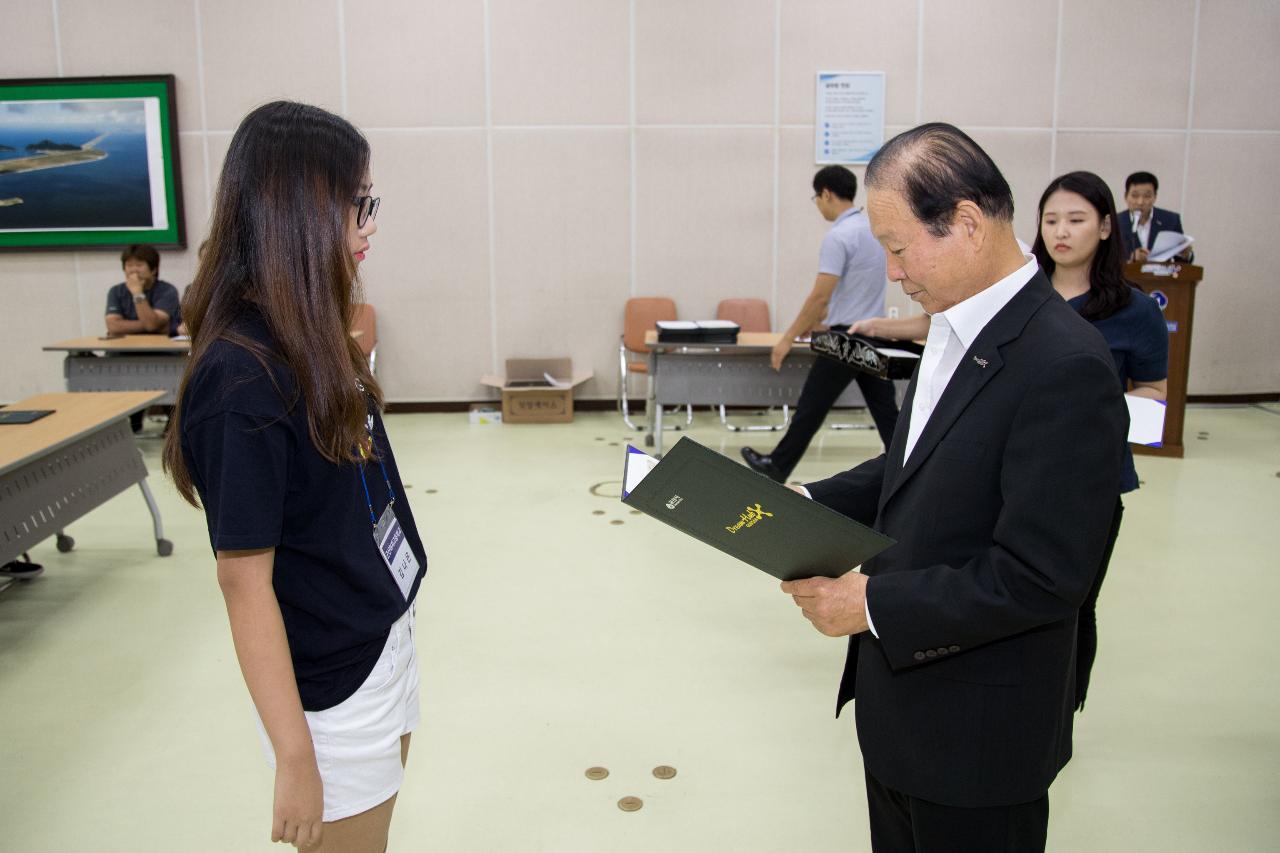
(1146, 420)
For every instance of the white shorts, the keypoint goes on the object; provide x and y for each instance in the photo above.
(357, 741)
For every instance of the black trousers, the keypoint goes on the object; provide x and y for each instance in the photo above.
(904, 824)
(1087, 626)
(826, 382)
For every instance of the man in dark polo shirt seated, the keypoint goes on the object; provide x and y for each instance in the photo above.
(142, 304)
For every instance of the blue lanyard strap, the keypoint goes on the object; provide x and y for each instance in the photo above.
(391, 493)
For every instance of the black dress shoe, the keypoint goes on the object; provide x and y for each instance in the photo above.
(762, 464)
(23, 569)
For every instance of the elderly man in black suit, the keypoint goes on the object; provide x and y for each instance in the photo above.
(999, 487)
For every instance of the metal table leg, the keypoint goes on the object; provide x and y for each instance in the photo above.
(163, 546)
(652, 411)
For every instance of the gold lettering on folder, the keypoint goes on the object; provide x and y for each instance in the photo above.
(749, 518)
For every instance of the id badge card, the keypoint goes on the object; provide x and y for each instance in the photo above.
(395, 551)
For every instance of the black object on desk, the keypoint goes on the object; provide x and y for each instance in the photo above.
(746, 515)
(877, 356)
(697, 331)
(22, 416)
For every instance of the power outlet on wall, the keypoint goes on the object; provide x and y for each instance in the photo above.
(893, 311)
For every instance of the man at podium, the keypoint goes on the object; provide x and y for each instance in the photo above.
(1142, 221)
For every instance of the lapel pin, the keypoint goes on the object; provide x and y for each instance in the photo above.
(982, 362)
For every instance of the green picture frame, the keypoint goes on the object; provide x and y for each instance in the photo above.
(101, 169)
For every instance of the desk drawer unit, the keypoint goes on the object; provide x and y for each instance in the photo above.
(710, 378)
(126, 373)
(42, 497)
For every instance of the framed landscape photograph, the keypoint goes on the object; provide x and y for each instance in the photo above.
(89, 162)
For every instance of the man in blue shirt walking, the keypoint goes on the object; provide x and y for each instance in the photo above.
(850, 287)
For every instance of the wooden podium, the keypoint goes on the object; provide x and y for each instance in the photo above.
(1173, 286)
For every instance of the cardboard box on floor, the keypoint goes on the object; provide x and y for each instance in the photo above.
(537, 404)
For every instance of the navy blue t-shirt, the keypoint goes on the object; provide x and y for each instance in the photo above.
(161, 296)
(1139, 342)
(263, 484)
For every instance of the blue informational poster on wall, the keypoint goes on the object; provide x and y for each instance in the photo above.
(849, 125)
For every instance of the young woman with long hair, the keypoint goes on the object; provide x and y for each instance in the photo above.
(278, 436)
(1078, 246)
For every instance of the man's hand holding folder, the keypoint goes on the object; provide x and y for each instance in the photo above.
(837, 607)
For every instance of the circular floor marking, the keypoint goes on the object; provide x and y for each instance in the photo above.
(631, 804)
(608, 489)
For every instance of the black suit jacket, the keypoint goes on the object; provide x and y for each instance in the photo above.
(1001, 515)
(1161, 220)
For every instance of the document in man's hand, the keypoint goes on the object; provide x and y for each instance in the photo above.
(746, 515)
(1169, 244)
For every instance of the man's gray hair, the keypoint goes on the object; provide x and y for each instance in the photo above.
(936, 166)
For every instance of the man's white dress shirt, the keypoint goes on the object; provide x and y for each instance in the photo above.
(951, 333)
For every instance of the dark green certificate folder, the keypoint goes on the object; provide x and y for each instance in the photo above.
(746, 515)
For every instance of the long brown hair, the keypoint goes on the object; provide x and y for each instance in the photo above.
(1108, 289)
(278, 246)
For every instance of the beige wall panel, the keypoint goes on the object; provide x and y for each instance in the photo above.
(800, 225)
(1125, 64)
(1114, 156)
(428, 270)
(563, 247)
(45, 284)
(1023, 159)
(704, 198)
(195, 201)
(709, 62)
(545, 72)
(257, 52)
(704, 221)
(35, 53)
(1237, 74)
(836, 35)
(218, 144)
(135, 37)
(415, 63)
(990, 62)
(1234, 347)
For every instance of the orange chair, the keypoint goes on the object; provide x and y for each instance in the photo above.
(751, 315)
(640, 315)
(366, 323)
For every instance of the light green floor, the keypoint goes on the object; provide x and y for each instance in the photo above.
(559, 631)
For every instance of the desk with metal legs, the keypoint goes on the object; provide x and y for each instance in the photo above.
(729, 374)
(61, 467)
(128, 363)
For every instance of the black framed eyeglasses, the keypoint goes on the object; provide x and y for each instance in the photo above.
(366, 208)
